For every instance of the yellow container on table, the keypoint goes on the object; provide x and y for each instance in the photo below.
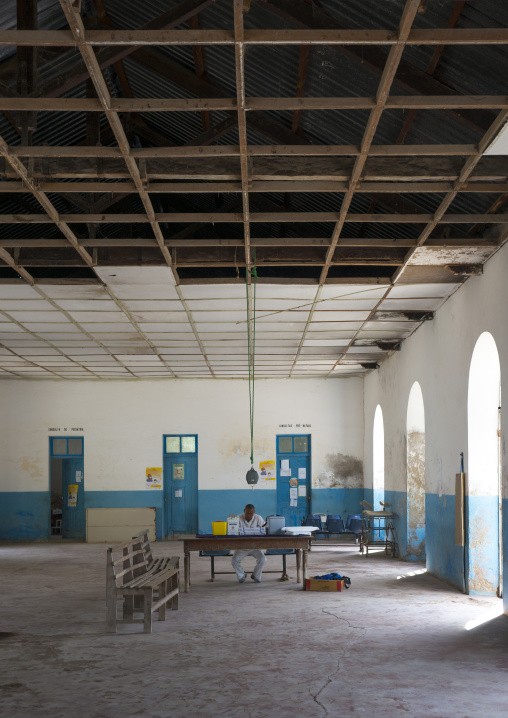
(219, 528)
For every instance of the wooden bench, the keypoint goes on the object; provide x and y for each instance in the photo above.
(131, 573)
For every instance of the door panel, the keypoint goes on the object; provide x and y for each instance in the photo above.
(180, 485)
(299, 459)
(73, 517)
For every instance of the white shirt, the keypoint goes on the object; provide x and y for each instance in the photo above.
(255, 522)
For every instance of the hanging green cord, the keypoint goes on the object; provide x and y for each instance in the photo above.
(251, 346)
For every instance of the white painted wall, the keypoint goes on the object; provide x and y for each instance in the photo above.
(124, 422)
(438, 356)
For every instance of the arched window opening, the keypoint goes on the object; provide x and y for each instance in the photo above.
(483, 506)
(415, 547)
(378, 459)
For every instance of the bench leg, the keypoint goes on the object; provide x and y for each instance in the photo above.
(163, 590)
(110, 599)
(186, 570)
(212, 567)
(174, 581)
(147, 609)
(298, 563)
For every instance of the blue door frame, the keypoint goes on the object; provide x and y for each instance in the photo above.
(70, 449)
(180, 464)
(295, 448)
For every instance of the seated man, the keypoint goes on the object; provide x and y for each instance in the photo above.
(249, 519)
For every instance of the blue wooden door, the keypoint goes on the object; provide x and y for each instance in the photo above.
(70, 451)
(181, 483)
(294, 452)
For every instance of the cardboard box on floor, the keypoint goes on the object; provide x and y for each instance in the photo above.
(315, 584)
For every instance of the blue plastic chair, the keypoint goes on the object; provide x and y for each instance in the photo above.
(334, 525)
(355, 526)
(349, 518)
(212, 555)
(312, 521)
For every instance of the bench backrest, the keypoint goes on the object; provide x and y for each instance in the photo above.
(126, 561)
(145, 541)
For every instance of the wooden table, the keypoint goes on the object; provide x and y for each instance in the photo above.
(246, 543)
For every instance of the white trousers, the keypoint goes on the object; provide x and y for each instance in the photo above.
(238, 557)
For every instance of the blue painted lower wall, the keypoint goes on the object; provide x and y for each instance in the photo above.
(505, 554)
(24, 515)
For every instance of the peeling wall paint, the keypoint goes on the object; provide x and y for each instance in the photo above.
(341, 472)
(416, 495)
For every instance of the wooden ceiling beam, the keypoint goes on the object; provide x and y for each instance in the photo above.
(260, 217)
(462, 150)
(14, 187)
(374, 169)
(196, 37)
(76, 25)
(261, 242)
(409, 77)
(273, 104)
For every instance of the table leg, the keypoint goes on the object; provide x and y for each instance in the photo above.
(304, 567)
(298, 563)
(186, 570)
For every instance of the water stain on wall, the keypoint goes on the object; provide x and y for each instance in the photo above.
(342, 472)
(30, 467)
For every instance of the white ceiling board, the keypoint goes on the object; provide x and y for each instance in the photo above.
(276, 350)
(353, 291)
(325, 342)
(330, 335)
(334, 316)
(381, 335)
(39, 352)
(238, 305)
(8, 305)
(441, 256)
(391, 326)
(274, 326)
(153, 305)
(44, 328)
(169, 351)
(85, 351)
(214, 291)
(282, 317)
(121, 276)
(25, 317)
(276, 305)
(99, 316)
(160, 316)
(223, 316)
(411, 304)
(117, 337)
(347, 304)
(286, 291)
(87, 305)
(175, 336)
(74, 291)
(158, 328)
(144, 291)
(138, 358)
(500, 144)
(422, 290)
(277, 335)
(208, 328)
(339, 326)
(17, 291)
(364, 350)
(97, 328)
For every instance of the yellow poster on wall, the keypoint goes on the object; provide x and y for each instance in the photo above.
(267, 470)
(153, 478)
(72, 494)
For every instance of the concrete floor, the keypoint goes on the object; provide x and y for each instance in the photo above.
(392, 645)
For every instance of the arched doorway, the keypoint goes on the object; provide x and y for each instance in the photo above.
(378, 459)
(483, 507)
(415, 548)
